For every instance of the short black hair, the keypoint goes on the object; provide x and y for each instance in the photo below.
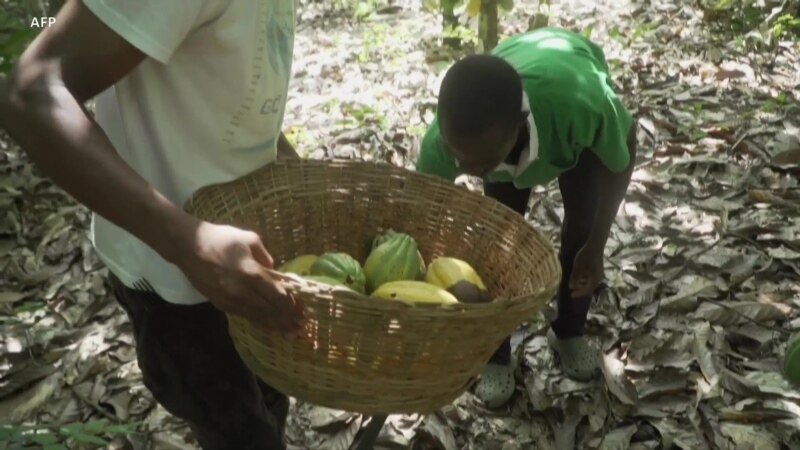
(478, 92)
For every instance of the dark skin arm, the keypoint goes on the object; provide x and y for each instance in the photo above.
(587, 272)
(285, 149)
(42, 109)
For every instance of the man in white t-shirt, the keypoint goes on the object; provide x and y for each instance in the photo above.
(188, 93)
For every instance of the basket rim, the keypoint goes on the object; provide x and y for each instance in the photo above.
(353, 297)
(189, 204)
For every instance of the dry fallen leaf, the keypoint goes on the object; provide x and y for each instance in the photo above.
(710, 215)
(618, 439)
(783, 252)
(663, 382)
(435, 434)
(705, 356)
(749, 436)
(343, 439)
(328, 420)
(732, 313)
(617, 381)
(565, 428)
(788, 158)
(756, 415)
(686, 299)
(16, 408)
(7, 300)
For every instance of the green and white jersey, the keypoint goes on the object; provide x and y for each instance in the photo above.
(572, 107)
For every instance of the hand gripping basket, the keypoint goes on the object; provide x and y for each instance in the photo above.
(361, 354)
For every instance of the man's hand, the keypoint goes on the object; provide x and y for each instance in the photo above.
(226, 264)
(587, 272)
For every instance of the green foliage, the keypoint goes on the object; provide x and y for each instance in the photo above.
(418, 130)
(450, 5)
(365, 8)
(506, 5)
(360, 115)
(300, 138)
(776, 103)
(463, 34)
(15, 26)
(375, 43)
(360, 9)
(636, 32)
(30, 306)
(430, 5)
(95, 434)
(787, 25)
(643, 29)
(753, 21)
(454, 10)
(587, 32)
(15, 35)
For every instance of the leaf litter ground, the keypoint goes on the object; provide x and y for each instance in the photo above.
(702, 288)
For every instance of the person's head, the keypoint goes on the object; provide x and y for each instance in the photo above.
(480, 112)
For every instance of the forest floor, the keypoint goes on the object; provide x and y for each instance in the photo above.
(702, 271)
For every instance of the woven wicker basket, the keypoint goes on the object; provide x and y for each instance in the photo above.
(380, 357)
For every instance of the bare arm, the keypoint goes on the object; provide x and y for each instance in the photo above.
(587, 270)
(285, 149)
(41, 107)
(611, 191)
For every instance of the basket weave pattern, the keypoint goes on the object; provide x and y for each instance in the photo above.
(367, 355)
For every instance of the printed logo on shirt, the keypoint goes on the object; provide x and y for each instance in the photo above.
(257, 120)
(274, 105)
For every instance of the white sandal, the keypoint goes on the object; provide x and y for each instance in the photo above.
(496, 385)
(578, 359)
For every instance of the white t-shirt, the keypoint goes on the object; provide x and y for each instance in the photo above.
(205, 107)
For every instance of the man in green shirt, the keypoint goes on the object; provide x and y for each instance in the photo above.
(541, 107)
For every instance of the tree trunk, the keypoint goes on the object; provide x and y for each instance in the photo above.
(449, 22)
(487, 30)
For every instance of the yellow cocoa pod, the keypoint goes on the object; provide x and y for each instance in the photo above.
(300, 265)
(458, 278)
(445, 272)
(414, 292)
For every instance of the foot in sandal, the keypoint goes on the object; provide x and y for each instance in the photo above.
(578, 359)
(496, 385)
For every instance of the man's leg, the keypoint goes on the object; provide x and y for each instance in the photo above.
(578, 187)
(578, 192)
(497, 380)
(516, 199)
(190, 365)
